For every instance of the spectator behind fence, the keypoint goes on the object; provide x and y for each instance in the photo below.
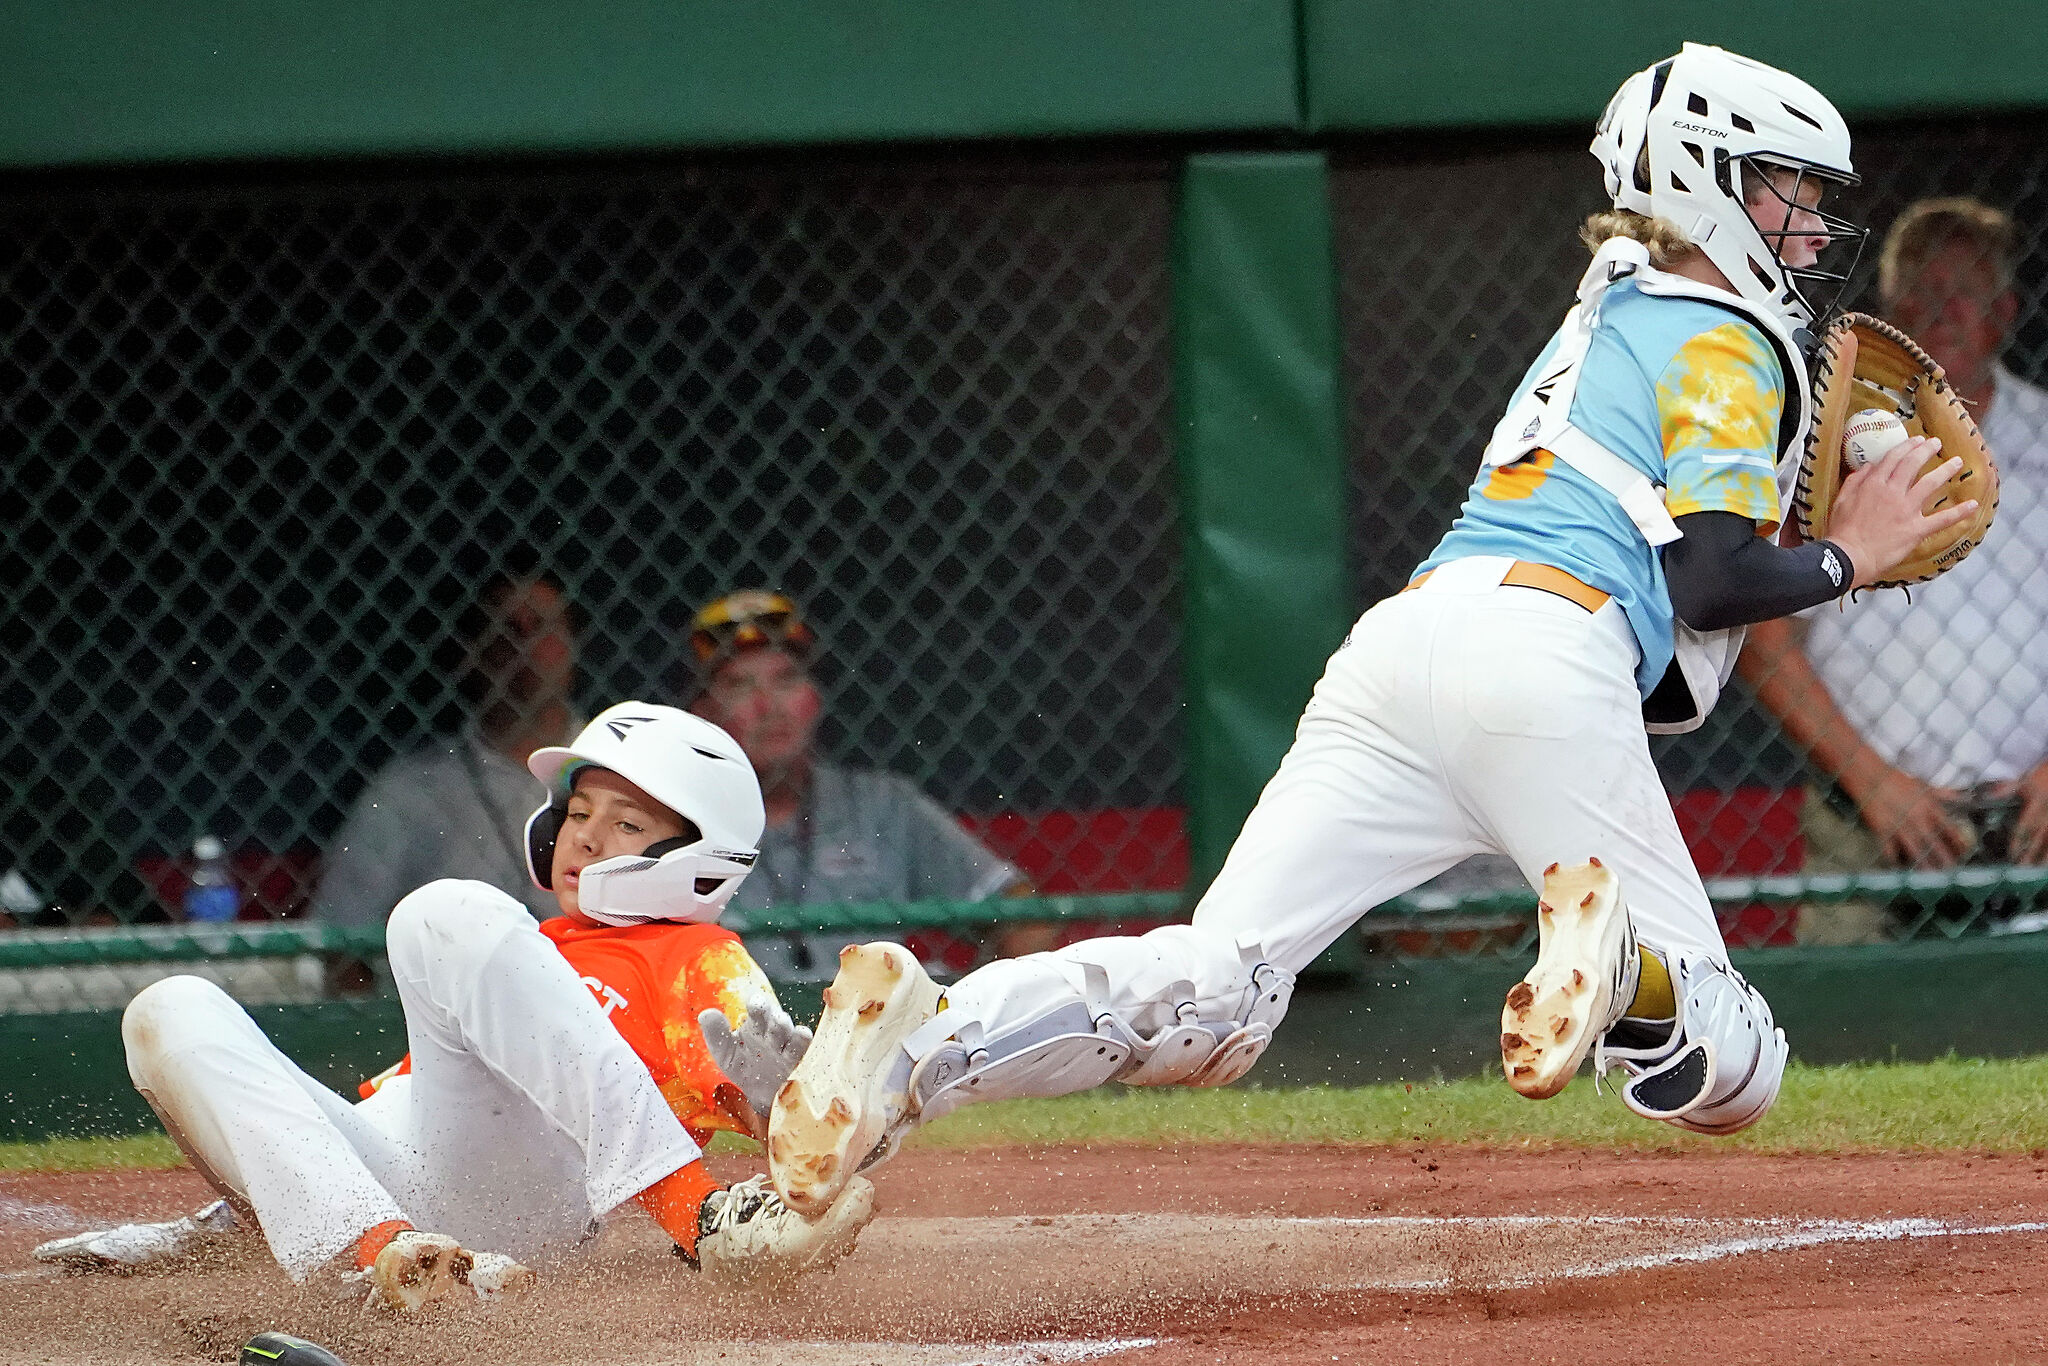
(458, 807)
(1932, 721)
(835, 835)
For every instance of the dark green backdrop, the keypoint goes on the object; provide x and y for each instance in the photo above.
(141, 80)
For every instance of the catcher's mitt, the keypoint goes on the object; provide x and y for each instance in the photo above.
(1865, 362)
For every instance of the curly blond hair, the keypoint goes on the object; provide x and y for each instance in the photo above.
(1667, 244)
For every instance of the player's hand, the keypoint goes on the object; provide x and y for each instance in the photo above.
(1881, 512)
(1916, 822)
(2030, 828)
(758, 1056)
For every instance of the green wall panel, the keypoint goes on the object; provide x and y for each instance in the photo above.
(1260, 456)
(1373, 65)
(143, 80)
(67, 1074)
(1389, 1021)
(1405, 1020)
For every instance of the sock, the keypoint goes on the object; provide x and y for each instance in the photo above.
(1654, 998)
(675, 1201)
(376, 1240)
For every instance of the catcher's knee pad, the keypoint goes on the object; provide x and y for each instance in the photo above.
(1077, 1045)
(1217, 1049)
(1715, 1068)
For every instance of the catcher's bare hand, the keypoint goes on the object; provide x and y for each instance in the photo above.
(1881, 513)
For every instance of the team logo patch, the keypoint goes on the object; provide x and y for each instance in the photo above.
(1832, 563)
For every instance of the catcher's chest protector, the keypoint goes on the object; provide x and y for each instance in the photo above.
(1702, 660)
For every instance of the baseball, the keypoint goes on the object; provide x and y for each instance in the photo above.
(1870, 434)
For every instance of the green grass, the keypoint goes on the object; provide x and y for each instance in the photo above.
(1959, 1104)
(1955, 1104)
(135, 1152)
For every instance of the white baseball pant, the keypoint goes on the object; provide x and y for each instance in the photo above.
(1459, 718)
(525, 1116)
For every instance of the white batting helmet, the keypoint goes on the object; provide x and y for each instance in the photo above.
(1706, 115)
(688, 765)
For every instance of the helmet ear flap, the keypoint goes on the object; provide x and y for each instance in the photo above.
(543, 827)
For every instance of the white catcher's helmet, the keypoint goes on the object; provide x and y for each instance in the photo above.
(1705, 115)
(688, 765)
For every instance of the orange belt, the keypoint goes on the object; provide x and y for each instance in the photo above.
(1523, 574)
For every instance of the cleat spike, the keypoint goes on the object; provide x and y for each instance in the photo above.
(847, 1105)
(1560, 1009)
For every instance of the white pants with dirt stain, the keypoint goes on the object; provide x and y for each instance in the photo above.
(1463, 717)
(525, 1116)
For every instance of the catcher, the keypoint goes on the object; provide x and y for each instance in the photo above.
(1618, 537)
(555, 1071)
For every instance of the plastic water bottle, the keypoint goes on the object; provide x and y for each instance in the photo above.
(213, 894)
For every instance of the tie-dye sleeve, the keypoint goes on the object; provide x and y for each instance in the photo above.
(1718, 401)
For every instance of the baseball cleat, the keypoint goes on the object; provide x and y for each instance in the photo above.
(852, 1087)
(416, 1269)
(132, 1246)
(1584, 978)
(746, 1234)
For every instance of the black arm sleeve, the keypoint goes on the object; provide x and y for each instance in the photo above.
(1723, 574)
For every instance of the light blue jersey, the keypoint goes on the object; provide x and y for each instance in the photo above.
(1686, 392)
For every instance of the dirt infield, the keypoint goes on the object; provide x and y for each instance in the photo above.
(1162, 1257)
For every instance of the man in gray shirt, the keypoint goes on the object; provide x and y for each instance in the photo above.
(458, 807)
(834, 834)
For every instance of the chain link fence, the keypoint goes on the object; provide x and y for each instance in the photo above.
(270, 442)
(273, 445)
(1456, 261)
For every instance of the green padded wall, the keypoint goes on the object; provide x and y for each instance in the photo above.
(141, 80)
(1258, 422)
(1489, 63)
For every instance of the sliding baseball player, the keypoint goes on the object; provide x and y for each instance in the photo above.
(556, 1071)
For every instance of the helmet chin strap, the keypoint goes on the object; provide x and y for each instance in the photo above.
(687, 883)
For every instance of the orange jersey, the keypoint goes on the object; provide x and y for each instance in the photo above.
(652, 981)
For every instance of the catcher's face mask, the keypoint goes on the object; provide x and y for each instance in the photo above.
(1788, 202)
(1675, 144)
